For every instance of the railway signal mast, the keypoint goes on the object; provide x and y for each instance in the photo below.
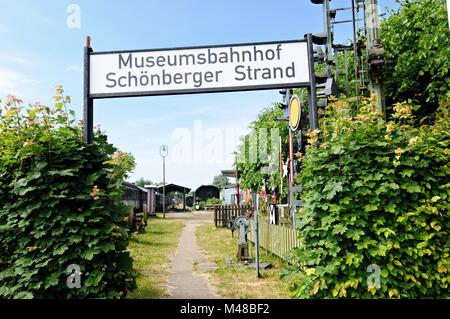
(371, 68)
(323, 84)
(375, 51)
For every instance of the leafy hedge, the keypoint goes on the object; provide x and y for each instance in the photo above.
(252, 157)
(210, 201)
(60, 204)
(375, 193)
(416, 38)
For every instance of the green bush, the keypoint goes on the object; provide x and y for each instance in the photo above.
(375, 193)
(254, 158)
(213, 201)
(60, 204)
(416, 38)
(201, 204)
(210, 201)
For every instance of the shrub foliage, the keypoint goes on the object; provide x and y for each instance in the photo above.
(210, 201)
(60, 204)
(254, 157)
(416, 38)
(376, 201)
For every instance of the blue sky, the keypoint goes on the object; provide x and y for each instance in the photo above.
(38, 51)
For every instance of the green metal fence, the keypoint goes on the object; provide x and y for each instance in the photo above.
(277, 239)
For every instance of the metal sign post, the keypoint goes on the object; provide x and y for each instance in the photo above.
(295, 114)
(313, 116)
(88, 102)
(255, 217)
(448, 12)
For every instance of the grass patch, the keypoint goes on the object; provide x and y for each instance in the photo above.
(152, 252)
(218, 245)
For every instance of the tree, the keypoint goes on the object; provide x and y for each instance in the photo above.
(143, 181)
(257, 157)
(375, 215)
(416, 39)
(61, 206)
(221, 181)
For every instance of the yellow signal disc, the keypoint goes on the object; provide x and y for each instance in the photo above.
(295, 113)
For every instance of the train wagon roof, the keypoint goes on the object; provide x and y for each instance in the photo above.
(134, 186)
(207, 187)
(174, 188)
(142, 189)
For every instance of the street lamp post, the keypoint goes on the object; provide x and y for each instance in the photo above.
(164, 151)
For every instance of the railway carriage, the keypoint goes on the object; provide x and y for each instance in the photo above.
(136, 198)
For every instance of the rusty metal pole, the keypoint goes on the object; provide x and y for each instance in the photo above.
(372, 24)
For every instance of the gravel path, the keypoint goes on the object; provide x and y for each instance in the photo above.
(184, 283)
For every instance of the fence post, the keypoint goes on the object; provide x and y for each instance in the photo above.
(224, 217)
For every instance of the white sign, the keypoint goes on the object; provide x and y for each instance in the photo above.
(199, 69)
(273, 215)
(448, 12)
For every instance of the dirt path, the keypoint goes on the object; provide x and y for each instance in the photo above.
(184, 282)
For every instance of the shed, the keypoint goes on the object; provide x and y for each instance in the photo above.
(206, 192)
(170, 188)
(230, 195)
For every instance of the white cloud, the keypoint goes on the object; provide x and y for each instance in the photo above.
(14, 78)
(39, 16)
(142, 123)
(74, 68)
(4, 29)
(13, 82)
(16, 59)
